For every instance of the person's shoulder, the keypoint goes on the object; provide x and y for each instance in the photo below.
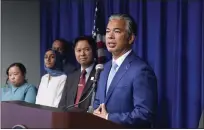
(5, 88)
(69, 67)
(140, 63)
(60, 78)
(63, 76)
(44, 76)
(75, 72)
(138, 60)
(107, 63)
(68, 64)
(29, 86)
(73, 75)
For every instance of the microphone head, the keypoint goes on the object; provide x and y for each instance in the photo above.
(99, 67)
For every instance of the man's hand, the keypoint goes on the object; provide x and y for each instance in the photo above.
(101, 111)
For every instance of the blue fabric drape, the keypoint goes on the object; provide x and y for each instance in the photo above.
(65, 19)
(170, 38)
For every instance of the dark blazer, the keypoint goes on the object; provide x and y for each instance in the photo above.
(132, 96)
(70, 90)
(68, 68)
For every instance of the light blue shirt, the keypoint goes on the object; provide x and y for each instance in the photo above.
(115, 66)
(120, 60)
(25, 92)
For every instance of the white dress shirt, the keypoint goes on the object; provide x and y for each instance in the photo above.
(50, 91)
(120, 60)
(88, 71)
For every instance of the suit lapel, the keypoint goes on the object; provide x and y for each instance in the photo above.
(104, 79)
(74, 86)
(119, 74)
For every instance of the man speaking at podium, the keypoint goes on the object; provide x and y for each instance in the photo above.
(127, 87)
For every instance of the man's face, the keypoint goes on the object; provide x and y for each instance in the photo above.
(117, 40)
(83, 53)
(58, 46)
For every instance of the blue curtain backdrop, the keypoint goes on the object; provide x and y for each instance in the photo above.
(170, 38)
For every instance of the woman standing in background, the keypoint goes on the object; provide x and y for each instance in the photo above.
(52, 83)
(17, 88)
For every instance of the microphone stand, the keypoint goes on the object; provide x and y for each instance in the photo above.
(91, 109)
(99, 68)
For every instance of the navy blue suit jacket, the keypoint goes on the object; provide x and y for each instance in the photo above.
(132, 96)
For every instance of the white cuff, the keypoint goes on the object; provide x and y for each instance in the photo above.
(107, 117)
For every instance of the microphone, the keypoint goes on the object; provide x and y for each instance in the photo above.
(99, 68)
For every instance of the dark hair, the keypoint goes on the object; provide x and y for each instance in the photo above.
(20, 66)
(90, 41)
(131, 25)
(64, 44)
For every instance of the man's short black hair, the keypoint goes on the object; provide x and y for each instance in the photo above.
(90, 41)
(64, 44)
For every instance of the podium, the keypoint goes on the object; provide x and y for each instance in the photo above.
(37, 116)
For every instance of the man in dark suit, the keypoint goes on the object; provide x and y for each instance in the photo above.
(127, 87)
(78, 84)
(62, 46)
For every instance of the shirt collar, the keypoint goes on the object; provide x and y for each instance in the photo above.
(120, 60)
(88, 70)
(13, 88)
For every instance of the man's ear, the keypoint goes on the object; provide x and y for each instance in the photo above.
(131, 39)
